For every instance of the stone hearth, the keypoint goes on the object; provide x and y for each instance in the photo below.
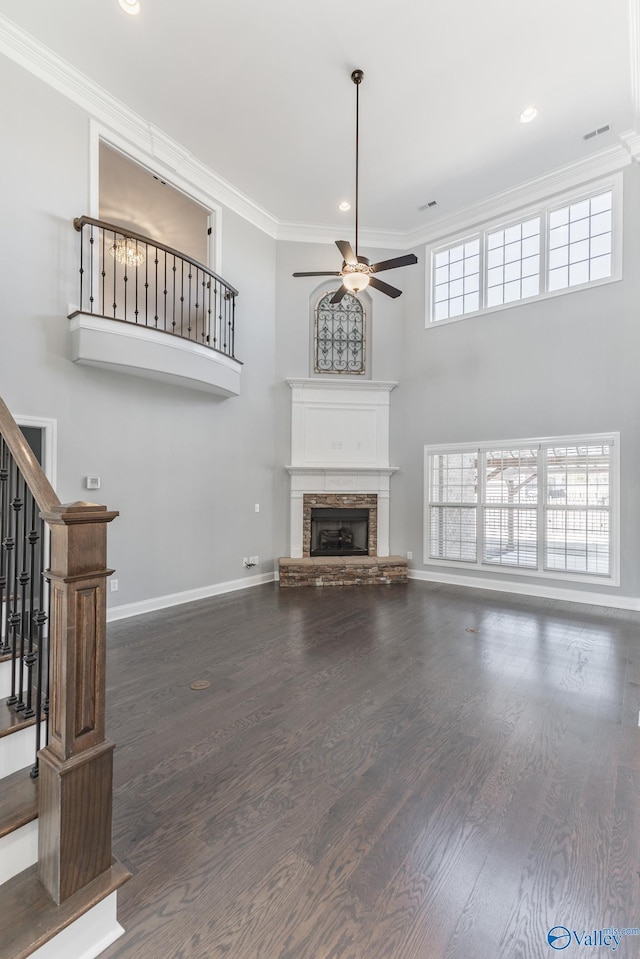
(343, 571)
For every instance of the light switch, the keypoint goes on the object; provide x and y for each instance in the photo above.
(92, 482)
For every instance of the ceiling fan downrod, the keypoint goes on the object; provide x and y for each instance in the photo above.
(357, 271)
(357, 77)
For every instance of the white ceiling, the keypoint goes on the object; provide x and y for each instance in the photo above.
(261, 93)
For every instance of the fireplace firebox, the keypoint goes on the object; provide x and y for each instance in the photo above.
(339, 532)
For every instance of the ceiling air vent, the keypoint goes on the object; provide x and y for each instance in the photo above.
(596, 133)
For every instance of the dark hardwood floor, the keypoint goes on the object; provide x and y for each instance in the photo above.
(416, 771)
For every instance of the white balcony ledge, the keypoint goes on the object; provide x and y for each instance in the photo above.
(152, 354)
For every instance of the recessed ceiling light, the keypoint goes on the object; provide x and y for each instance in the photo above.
(130, 6)
(528, 115)
(345, 206)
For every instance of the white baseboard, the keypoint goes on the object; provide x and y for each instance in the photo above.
(88, 936)
(188, 596)
(528, 589)
(18, 850)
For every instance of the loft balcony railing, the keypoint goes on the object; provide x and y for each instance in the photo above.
(132, 278)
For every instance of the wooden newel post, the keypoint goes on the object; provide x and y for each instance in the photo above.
(76, 768)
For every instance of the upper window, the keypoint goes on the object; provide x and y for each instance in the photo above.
(552, 250)
(543, 506)
(339, 335)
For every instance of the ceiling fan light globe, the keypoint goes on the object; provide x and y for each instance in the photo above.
(355, 282)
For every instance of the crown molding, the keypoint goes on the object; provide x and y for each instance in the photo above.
(43, 63)
(601, 164)
(324, 233)
(58, 73)
(631, 140)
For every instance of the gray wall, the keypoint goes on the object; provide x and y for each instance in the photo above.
(565, 365)
(183, 468)
(562, 366)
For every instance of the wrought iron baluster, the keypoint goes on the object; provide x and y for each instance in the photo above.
(12, 578)
(216, 300)
(173, 297)
(146, 287)
(91, 241)
(29, 627)
(126, 278)
(165, 290)
(23, 581)
(103, 301)
(223, 325)
(135, 309)
(115, 272)
(197, 305)
(182, 298)
(189, 301)
(208, 296)
(155, 317)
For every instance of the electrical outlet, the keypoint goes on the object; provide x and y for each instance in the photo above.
(114, 585)
(257, 507)
(409, 554)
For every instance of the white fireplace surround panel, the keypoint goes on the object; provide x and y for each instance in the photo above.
(342, 424)
(339, 444)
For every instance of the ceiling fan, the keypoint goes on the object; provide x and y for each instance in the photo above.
(357, 272)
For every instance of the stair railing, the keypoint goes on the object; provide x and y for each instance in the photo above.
(25, 493)
(76, 765)
(132, 278)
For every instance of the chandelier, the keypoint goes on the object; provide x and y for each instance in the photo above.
(128, 252)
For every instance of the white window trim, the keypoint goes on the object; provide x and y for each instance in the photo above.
(584, 439)
(543, 209)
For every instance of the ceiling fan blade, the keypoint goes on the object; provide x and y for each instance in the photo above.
(347, 252)
(407, 260)
(383, 287)
(337, 296)
(317, 274)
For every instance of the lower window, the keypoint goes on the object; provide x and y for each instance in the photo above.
(543, 506)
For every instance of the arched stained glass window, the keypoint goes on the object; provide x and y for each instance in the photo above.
(339, 335)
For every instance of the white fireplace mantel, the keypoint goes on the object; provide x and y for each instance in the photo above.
(339, 444)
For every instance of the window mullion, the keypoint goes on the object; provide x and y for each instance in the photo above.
(482, 268)
(480, 508)
(544, 250)
(542, 505)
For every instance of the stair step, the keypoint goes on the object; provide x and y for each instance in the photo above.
(83, 925)
(18, 801)
(17, 740)
(18, 823)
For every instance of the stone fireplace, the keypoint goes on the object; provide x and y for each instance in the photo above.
(340, 463)
(349, 519)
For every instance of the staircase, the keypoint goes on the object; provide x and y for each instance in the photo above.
(58, 879)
